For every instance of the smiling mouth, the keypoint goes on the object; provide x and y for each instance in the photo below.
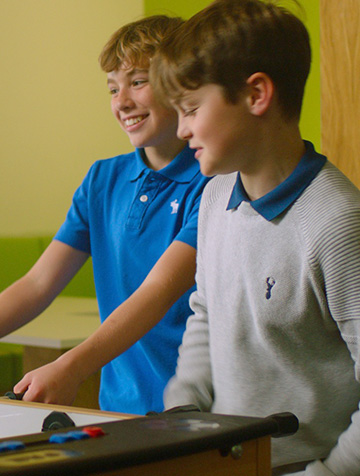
(134, 120)
(198, 151)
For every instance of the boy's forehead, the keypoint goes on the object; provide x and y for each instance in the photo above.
(187, 95)
(182, 95)
(124, 70)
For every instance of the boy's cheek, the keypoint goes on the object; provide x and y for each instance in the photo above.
(117, 116)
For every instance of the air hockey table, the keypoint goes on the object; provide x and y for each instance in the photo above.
(181, 442)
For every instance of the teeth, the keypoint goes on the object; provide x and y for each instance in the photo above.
(133, 120)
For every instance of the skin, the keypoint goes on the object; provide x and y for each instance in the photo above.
(172, 275)
(59, 381)
(250, 136)
(147, 123)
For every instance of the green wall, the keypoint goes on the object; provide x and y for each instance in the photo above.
(310, 119)
(183, 8)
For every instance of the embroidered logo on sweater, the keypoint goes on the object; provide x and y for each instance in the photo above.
(174, 206)
(270, 282)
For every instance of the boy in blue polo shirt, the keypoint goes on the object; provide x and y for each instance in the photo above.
(136, 215)
(276, 313)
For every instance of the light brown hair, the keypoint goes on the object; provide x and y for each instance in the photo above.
(134, 44)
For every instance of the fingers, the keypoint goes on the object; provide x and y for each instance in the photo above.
(33, 388)
(21, 387)
(48, 384)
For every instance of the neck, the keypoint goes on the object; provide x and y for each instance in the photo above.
(158, 157)
(275, 159)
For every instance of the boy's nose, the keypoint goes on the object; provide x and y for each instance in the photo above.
(123, 100)
(183, 132)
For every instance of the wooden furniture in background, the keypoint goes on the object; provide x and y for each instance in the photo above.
(67, 322)
(340, 84)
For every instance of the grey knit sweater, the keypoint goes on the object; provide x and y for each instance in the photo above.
(276, 323)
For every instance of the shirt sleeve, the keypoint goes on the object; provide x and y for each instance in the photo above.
(188, 232)
(340, 265)
(75, 229)
(192, 382)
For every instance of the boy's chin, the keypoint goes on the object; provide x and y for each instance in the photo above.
(137, 144)
(209, 170)
(220, 167)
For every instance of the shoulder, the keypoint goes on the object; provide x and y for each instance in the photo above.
(330, 195)
(331, 176)
(329, 211)
(122, 161)
(218, 189)
(106, 171)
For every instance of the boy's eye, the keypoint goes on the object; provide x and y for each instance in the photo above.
(190, 111)
(186, 109)
(113, 91)
(139, 82)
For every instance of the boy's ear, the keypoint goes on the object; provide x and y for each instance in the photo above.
(260, 93)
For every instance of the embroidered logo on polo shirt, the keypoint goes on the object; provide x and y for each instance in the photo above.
(174, 206)
(270, 282)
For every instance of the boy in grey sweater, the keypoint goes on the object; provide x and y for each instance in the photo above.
(276, 323)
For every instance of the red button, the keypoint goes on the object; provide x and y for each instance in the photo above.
(94, 431)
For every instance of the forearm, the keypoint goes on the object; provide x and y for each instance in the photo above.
(125, 326)
(192, 383)
(170, 278)
(19, 304)
(30, 295)
(58, 381)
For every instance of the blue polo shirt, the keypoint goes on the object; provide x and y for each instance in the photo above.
(126, 215)
(278, 200)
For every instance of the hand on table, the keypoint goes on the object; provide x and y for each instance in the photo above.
(51, 383)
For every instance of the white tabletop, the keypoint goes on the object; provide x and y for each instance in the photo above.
(67, 322)
(20, 418)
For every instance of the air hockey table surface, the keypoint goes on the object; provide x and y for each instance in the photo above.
(20, 418)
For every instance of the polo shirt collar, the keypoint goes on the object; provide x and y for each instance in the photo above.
(278, 200)
(182, 168)
(138, 165)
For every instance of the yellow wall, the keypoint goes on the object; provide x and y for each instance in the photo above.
(54, 105)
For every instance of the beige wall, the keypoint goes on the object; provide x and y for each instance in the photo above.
(54, 105)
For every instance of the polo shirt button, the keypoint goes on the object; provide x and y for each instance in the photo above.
(144, 198)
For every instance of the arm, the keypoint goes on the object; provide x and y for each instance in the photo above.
(341, 270)
(192, 383)
(171, 276)
(30, 295)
